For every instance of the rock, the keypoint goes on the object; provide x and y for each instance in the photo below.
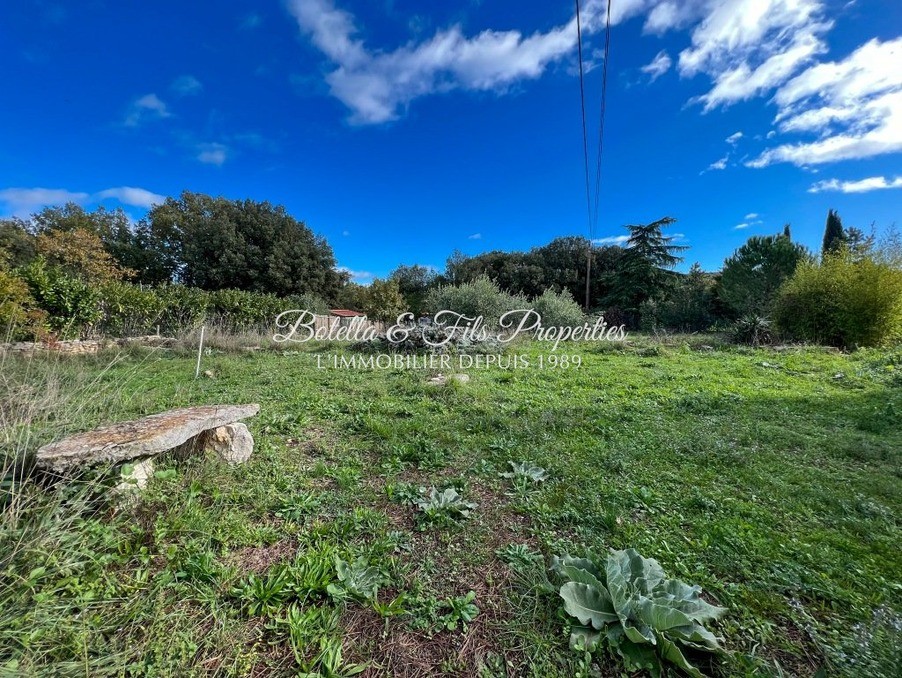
(140, 438)
(135, 476)
(441, 380)
(209, 374)
(232, 443)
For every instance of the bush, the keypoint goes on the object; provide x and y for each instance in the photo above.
(753, 330)
(20, 318)
(558, 309)
(70, 304)
(687, 306)
(478, 297)
(844, 301)
(128, 310)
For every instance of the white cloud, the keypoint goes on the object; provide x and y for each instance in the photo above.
(356, 276)
(475, 236)
(743, 82)
(735, 31)
(611, 240)
(671, 14)
(733, 138)
(751, 215)
(129, 195)
(658, 66)
(147, 107)
(739, 227)
(346, 233)
(860, 186)
(187, 85)
(213, 154)
(376, 85)
(719, 164)
(21, 202)
(853, 106)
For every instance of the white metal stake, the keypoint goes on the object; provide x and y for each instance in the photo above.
(200, 348)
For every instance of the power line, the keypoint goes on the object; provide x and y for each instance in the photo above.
(604, 100)
(582, 101)
(592, 214)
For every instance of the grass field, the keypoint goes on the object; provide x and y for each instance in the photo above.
(770, 478)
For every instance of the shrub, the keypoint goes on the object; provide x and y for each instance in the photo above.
(687, 306)
(184, 308)
(128, 310)
(753, 330)
(20, 318)
(558, 309)
(70, 304)
(843, 301)
(478, 297)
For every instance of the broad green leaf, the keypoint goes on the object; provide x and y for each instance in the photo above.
(584, 577)
(584, 639)
(639, 632)
(637, 657)
(643, 573)
(660, 616)
(697, 636)
(557, 564)
(670, 652)
(587, 604)
(617, 585)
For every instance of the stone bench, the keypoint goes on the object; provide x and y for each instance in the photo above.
(190, 430)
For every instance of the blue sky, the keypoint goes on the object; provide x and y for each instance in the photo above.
(402, 130)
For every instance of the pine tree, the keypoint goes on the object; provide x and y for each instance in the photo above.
(834, 235)
(786, 232)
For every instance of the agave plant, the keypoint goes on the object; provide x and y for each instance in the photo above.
(445, 506)
(638, 613)
(522, 472)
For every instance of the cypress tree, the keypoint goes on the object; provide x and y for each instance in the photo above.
(834, 235)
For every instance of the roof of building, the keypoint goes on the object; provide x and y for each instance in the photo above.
(345, 313)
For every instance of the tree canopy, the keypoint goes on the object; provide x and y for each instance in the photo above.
(754, 273)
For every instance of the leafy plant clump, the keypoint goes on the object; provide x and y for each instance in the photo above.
(752, 329)
(461, 610)
(356, 581)
(631, 608)
(522, 473)
(445, 507)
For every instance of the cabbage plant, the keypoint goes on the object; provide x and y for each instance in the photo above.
(633, 609)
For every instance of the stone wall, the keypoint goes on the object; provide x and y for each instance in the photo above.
(82, 346)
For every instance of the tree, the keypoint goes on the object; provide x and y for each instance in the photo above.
(644, 273)
(383, 300)
(414, 282)
(786, 232)
(754, 273)
(834, 235)
(687, 306)
(16, 242)
(112, 227)
(79, 253)
(857, 243)
(352, 297)
(215, 243)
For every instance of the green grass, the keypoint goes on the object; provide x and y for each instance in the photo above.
(770, 478)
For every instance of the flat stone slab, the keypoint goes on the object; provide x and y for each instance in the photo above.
(144, 437)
